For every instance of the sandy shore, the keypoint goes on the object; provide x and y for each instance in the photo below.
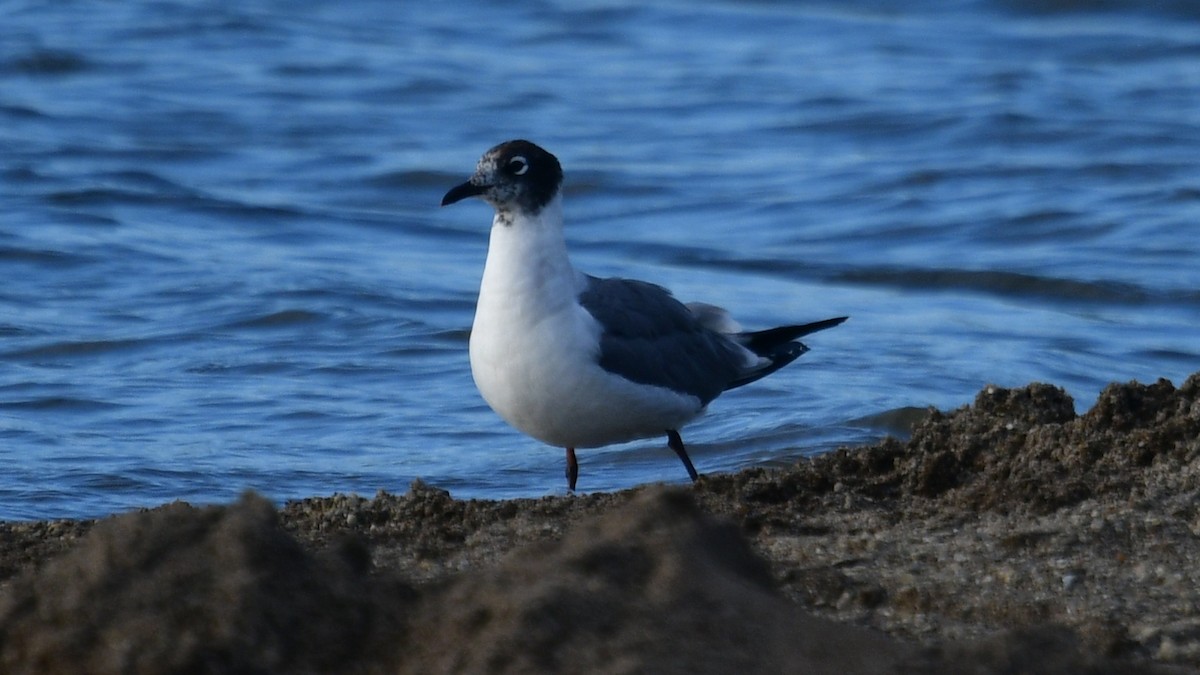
(1010, 536)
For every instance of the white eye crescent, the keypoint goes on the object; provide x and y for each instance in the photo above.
(519, 165)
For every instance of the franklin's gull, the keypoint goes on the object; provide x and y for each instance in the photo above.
(581, 362)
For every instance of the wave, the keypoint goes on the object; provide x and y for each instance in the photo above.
(1009, 284)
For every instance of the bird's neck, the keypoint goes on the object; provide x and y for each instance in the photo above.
(527, 265)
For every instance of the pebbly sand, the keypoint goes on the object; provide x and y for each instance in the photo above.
(1011, 536)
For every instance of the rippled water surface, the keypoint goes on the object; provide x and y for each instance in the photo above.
(223, 265)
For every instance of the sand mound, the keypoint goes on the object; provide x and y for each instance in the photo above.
(1077, 533)
(654, 587)
(1022, 449)
(186, 590)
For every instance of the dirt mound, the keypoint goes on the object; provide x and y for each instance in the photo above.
(1026, 448)
(1066, 542)
(1021, 449)
(653, 587)
(186, 590)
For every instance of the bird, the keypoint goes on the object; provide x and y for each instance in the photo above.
(577, 361)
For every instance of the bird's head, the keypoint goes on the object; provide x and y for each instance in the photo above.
(513, 176)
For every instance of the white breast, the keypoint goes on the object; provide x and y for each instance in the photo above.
(534, 349)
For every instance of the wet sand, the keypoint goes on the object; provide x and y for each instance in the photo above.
(1010, 536)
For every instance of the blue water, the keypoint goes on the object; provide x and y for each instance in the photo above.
(223, 265)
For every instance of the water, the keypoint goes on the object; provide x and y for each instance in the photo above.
(223, 265)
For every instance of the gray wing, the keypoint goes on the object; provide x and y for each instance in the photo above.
(649, 337)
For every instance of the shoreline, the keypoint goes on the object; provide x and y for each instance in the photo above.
(1006, 535)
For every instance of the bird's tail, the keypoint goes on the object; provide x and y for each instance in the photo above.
(779, 346)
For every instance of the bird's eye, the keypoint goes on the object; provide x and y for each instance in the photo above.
(518, 165)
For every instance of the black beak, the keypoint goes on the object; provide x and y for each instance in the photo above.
(461, 192)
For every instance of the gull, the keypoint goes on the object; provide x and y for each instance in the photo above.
(576, 361)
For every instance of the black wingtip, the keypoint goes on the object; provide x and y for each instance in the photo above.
(763, 342)
(822, 325)
(780, 346)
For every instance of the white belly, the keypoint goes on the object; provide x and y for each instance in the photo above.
(544, 380)
(534, 354)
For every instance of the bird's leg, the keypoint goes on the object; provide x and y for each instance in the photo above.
(676, 444)
(572, 469)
